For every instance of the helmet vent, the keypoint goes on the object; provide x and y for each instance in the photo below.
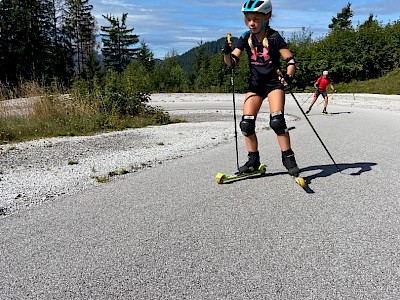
(258, 4)
(249, 4)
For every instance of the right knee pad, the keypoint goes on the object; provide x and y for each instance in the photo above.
(248, 125)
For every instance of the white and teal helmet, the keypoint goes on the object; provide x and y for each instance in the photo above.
(261, 6)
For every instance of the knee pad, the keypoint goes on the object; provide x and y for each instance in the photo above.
(248, 125)
(277, 122)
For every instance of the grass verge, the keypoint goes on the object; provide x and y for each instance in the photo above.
(55, 116)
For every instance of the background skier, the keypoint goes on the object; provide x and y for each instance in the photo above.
(320, 89)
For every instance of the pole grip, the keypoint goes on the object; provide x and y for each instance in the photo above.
(228, 37)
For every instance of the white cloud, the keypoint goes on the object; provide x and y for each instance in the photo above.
(182, 24)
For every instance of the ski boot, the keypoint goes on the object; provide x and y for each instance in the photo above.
(289, 162)
(252, 164)
(308, 111)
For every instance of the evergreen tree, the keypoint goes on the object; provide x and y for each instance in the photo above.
(7, 55)
(202, 78)
(59, 62)
(342, 20)
(146, 57)
(23, 47)
(117, 40)
(28, 41)
(80, 31)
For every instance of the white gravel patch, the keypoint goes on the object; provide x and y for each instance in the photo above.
(38, 171)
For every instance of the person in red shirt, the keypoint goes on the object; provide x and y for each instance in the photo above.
(320, 89)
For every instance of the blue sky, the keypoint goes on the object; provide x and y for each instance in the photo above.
(181, 25)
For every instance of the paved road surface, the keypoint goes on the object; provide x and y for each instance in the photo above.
(171, 232)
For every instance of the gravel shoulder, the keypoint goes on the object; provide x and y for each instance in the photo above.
(35, 172)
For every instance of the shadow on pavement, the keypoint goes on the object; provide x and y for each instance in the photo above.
(341, 112)
(356, 169)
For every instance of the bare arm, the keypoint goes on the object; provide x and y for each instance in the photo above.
(291, 68)
(228, 58)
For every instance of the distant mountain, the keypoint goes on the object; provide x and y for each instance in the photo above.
(187, 59)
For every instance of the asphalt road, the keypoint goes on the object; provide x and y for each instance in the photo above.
(171, 232)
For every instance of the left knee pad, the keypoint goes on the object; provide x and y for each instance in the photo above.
(277, 122)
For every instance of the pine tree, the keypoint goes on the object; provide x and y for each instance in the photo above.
(59, 60)
(28, 41)
(342, 20)
(146, 57)
(7, 57)
(117, 39)
(80, 30)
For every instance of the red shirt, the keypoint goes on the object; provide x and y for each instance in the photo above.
(322, 83)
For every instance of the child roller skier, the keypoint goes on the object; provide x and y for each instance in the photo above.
(264, 47)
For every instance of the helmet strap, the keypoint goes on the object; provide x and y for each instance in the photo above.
(264, 26)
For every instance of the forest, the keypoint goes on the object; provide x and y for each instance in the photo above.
(53, 47)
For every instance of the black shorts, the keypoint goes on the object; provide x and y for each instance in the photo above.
(323, 93)
(265, 88)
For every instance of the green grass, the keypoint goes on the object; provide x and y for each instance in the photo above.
(388, 84)
(52, 117)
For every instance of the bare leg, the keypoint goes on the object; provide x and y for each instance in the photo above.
(315, 97)
(325, 103)
(251, 107)
(276, 99)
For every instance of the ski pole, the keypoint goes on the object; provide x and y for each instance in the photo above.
(228, 37)
(307, 99)
(316, 133)
(312, 127)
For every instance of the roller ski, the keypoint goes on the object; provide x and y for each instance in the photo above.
(325, 113)
(290, 164)
(251, 168)
(222, 178)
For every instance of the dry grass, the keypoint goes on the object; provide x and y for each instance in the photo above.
(52, 115)
(24, 90)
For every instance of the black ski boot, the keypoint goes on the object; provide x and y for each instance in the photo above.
(252, 164)
(289, 162)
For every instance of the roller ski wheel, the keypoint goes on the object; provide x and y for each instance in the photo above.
(327, 114)
(300, 181)
(222, 178)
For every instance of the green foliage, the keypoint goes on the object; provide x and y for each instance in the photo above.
(349, 55)
(79, 32)
(342, 20)
(117, 40)
(121, 95)
(146, 57)
(38, 40)
(388, 84)
(169, 76)
(202, 80)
